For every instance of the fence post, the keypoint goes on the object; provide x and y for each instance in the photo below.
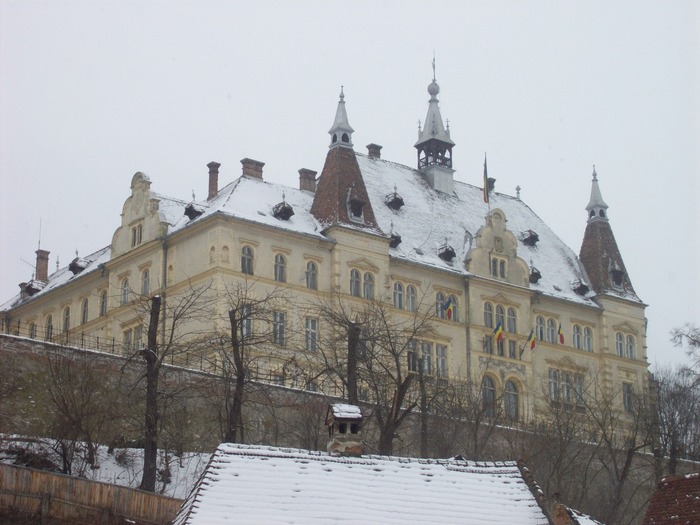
(45, 503)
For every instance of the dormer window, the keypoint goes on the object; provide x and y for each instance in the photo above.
(529, 238)
(395, 240)
(535, 275)
(192, 211)
(498, 268)
(617, 276)
(394, 200)
(447, 253)
(356, 210)
(580, 287)
(283, 210)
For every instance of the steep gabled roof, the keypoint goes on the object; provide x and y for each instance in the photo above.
(676, 501)
(257, 484)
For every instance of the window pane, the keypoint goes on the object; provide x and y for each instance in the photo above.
(511, 400)
(411, 298)
(247, 260)
(311, 334)
(355, 283)
(369, 286)
(280, 268)
(511, 324)
(398, 295)
(488, 315)
(312, 276)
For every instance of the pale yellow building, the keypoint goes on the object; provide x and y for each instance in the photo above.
(367, 229)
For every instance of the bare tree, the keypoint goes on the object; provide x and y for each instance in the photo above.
(688, 337)
(172, 331)
(678, 415)
(382, 345)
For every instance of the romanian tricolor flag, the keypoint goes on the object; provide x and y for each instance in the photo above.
(486, 182)
(561, 335)
(498, 332)
(530, 343)
(531, 339)
(449, 308)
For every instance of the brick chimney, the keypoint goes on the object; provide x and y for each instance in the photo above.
(42, 265)
(213, 179)
(307, 180)
(252, 168)
(374, 151)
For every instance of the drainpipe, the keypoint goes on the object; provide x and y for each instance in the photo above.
(467, 323)
(163, 286)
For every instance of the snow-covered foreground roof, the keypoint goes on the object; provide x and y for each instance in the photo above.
(257, 484)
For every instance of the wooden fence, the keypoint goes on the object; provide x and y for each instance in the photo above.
(50, 496)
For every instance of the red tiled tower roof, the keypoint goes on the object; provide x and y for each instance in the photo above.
(676, 501)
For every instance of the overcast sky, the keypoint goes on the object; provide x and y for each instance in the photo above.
(93, 91)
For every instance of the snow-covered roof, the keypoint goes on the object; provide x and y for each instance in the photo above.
(90, 263)
(429, 219)
(257, 484)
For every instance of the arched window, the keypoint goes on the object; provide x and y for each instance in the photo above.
(440, 312)
(452, 312)
(66, 319)
(49, 328)
(511, 325)
(539, 328)
(224, 254)
(103, 303)
(247, 260)
(630, 347)
(588, 339)
(500, 315)
(355, 283)
(145, 282)
(125, 291)
(511, 400)
(411, 298)
(368, 286)
(280, 268)
(84, 311)
(488, 315)
(620, 344)
(551, 331)
(488, 396)
(577, 337)
(212, 255)
(32, 330)
(398, 295)
(311, 275)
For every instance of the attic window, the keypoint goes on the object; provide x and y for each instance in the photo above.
(535, 275)
(193, 211)
(394, 200)
(530, 238)
(580, 288)
(395, 240)
(356, 207)
(617, 276)
(446, 253)
(282, 211)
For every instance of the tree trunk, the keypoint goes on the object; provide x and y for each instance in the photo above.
(423, 412)
(353, 343)
(150, 445)
(235, 412)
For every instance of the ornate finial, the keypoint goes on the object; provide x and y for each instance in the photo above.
(76, 253)
(595, 175)
(57, 263)
(391, 227)
(433, 66)
(342, 95)
(517, 192)
(394, 187)
(193, 197)
(284, 197)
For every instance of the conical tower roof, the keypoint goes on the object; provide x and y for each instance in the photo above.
(599, 253)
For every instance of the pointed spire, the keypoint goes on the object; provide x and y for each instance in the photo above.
(341, 131)
(597, 209)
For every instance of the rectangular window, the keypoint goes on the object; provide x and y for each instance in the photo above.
(126, 340)
(311, 334)
(628, 397)
(411, 354)
(246, 321)
(488, 344)
(553, 384)
(566, 387)
(441, 361)
(512, 350)
(427, 349)
(500, 346)
(278, 328)
(138, 338)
